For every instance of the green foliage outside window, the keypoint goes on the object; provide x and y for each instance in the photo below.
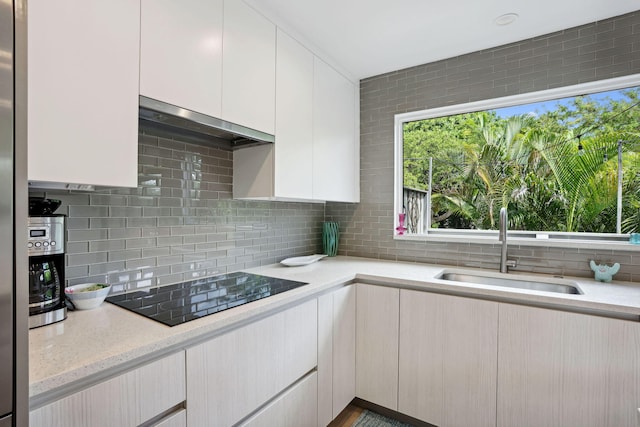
(554, 171)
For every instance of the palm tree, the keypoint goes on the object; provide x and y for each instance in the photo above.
(490, 172)
(585, 183)
(536, 170)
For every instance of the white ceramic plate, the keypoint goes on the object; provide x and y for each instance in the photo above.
(301, 260)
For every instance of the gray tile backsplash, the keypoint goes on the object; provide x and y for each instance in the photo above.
(605, 49)
(180, 223)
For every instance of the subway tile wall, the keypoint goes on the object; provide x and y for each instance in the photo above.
(180, 223)
(605, 49)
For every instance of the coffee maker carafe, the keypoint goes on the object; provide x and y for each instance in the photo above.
(46, 270)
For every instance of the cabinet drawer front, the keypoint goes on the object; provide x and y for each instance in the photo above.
(179, 419)
(126, 400)
(295, 407)
(232, 375)
(161, 385)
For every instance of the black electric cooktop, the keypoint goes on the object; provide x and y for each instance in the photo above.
(182, 302)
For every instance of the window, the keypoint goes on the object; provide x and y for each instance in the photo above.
(564, 162)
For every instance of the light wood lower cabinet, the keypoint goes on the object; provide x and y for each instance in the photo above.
(177, 419)
(126, 400)
(377, 317)
(336, 352)
(344, 348)
(296, 407)
(325, 359)
(567, 369)
(234, 374)
(448, 359)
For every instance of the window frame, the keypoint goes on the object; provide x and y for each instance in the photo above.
(527, 238)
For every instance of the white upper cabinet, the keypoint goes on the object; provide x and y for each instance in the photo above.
(336, 161)
(294, 119)
(83, 92)
(248, 67)
(316, 152)
(222, 58)
(213, 57)
(181, 53)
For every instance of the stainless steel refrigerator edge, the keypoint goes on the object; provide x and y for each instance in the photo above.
(14, 381)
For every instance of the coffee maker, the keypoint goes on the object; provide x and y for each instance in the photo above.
(45, 248)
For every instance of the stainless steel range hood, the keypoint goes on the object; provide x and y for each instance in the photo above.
(166, 120)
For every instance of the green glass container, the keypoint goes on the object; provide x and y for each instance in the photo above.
(330, 237)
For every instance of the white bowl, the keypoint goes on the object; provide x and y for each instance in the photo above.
(83, 299)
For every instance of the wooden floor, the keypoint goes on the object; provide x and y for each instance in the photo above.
(347, 417)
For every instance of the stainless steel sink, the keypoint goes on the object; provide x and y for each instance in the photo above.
(546, 286)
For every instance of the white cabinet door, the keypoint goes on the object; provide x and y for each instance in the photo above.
(126, 400)
(181, 53)
(316, 152)
(336, 162)
(234, 374)
(294, 119)
(248, 67)
(567, 369)
(336, 352)
(296, 407)
(377, 318)
(448, 359)
(83, 91)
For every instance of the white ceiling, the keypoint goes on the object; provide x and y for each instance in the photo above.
(369, 37)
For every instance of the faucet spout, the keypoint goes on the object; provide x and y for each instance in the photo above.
(502, 237)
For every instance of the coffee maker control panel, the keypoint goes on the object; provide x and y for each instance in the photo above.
(46, 236)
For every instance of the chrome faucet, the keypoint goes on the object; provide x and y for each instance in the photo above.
(502, 237)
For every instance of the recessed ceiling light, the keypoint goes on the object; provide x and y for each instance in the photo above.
(506, 19)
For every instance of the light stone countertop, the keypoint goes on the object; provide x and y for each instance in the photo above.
(92, 345)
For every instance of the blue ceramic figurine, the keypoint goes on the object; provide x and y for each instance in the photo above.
(604, 273)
